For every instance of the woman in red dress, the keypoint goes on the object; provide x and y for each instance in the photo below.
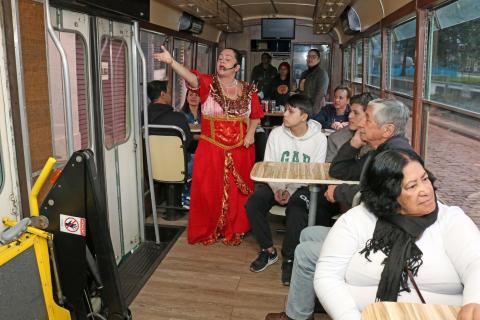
(225, 154)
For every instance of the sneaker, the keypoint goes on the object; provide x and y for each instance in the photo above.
(287, 267)
(263, 260)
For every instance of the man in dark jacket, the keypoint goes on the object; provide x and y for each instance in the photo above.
(160, 110)
(263, 75)
(384, 129)
(314, 81)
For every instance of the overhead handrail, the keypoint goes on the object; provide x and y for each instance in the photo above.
(66, 79)
(147, 144)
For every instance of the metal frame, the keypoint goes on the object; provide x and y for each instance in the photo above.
(66, 78)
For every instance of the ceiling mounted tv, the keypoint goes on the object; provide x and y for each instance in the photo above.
(278, 28)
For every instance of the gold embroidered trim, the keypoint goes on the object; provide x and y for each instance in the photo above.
(212, 140)
(233, 107)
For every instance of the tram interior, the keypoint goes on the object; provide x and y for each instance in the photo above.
(91, 95)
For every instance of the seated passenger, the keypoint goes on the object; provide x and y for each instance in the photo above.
(335, 116)
(400, 235)
(160, 111)
(297, 140)
(281, 85)
(356, 117)
(191, 108)
(383, 128)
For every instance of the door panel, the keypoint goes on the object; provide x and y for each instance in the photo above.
(119, 140)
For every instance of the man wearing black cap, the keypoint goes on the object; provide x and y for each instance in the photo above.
(263, 75)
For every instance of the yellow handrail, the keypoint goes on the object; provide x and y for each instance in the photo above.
(38, 186)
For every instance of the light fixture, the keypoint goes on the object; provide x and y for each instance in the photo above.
(330, 9)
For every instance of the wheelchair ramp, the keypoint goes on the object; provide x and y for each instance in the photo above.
(136, 268)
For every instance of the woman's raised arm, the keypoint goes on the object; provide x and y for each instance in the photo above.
(183, 72)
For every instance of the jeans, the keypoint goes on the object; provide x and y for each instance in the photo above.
(187, 185)
(301, 295)
(259, 204)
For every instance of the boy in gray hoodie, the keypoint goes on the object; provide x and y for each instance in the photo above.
(297, 140)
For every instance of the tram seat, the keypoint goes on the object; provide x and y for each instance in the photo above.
(169, 165)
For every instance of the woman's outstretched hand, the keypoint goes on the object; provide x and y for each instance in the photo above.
(163, 56)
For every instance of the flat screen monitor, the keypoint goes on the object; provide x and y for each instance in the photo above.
(278, 28)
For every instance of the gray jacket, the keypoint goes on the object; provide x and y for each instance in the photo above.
(315, 86)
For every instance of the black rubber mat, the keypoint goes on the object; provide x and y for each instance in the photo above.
(136, 269)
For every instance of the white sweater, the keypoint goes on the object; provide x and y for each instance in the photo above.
(345, 282)
(283, 146)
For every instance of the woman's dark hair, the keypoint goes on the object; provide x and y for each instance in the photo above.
(362, 99)
(236, 53)
(345, 88)
(381, 184)
(317, 52)
(186, 106)
(286, 65)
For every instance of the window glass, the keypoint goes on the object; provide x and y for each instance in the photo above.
(151, 43)
(300, 59)
(346, 63)
(374, 60)
(114, 90)
(454, 75)
(75, 49)
(402, 57)
(204, 58)
(457, 170)
(357, 77)
(183, 53)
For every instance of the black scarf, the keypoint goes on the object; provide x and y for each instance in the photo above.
(395, 236)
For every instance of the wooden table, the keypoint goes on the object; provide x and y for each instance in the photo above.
(409, 311)
(313, 174)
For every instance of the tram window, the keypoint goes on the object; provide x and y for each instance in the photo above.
(402, 57)
(204, 58)
(114, 90)
(300, 58)
(374, 59)
(75, 49)
(454, 76)
(456, 170)
(183, 53)
(150, 43)
(347, 63)
(358, 67)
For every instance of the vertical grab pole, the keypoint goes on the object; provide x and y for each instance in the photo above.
(66, 79)
(145, 133)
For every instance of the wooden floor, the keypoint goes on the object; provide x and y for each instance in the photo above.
(212, 282)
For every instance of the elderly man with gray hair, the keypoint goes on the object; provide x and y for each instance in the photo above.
(384, 129)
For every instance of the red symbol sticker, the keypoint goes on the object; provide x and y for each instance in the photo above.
(72, 224)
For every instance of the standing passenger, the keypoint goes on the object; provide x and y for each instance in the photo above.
(225, 155)
(281, 84)
(263, 75)
(314, 81)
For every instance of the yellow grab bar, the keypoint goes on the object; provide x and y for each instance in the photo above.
(44, 234)
(47, 168)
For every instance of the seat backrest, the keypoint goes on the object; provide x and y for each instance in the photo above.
(168, 158)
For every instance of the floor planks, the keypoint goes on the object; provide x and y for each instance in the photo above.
(212, 282)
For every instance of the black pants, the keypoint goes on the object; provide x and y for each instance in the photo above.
(258, 206)
(325, 209)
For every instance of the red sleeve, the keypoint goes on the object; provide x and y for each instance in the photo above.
(257, 111)
(204, 82)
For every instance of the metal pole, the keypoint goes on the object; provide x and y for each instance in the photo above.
(66, 79)
(145, 134)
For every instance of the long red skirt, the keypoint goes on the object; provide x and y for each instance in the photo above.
(221, 185)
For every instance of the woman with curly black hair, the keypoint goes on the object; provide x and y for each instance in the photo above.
(399, 234)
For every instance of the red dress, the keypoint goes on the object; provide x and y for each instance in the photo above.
(221, 180)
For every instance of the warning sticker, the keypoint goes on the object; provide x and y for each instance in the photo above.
(73, 225)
